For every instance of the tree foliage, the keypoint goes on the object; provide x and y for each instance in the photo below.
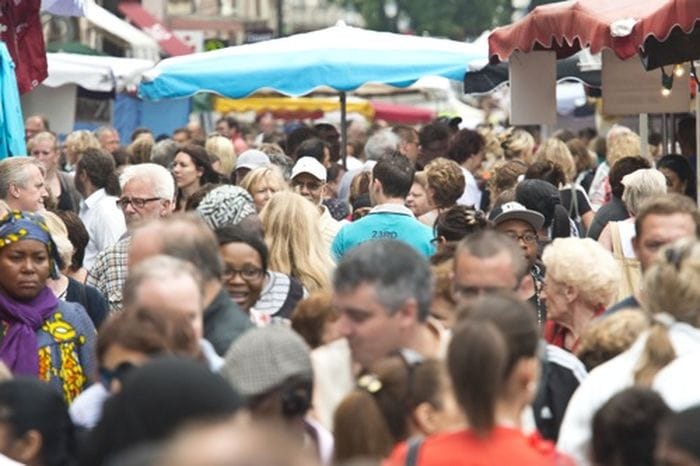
(456, 19)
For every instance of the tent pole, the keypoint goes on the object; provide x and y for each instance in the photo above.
(644, 134)
(697, 137)
(343, 129)
(664, 133)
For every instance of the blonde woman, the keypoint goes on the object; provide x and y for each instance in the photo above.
(517, 144)
(222, 148)
(76, 143)
(620, 142)
(579, 208)
(581, 281)
(293, 236)
(44, 148)
(446, 184)
(665, 357)
(262, 183)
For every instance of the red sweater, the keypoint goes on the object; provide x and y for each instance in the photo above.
(503, 447)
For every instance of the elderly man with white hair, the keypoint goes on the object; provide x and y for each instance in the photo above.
(148, 192)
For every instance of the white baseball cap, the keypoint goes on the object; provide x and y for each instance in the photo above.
(311, 166)
(252, 159)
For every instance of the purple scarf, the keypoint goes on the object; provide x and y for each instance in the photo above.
(18, 349)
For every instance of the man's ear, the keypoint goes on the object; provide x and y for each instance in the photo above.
(408, 313)
(13, 191)
(526, 287)
(27, 448)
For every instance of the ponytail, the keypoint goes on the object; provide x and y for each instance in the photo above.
(477, 363)
(561, 227)
(360, 429)
(658, 351)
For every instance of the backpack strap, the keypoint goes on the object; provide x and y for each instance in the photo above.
(414, 445)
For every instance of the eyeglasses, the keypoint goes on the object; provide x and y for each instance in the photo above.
(528, 238)
(310, 185)
(248, 273)
(137, 202)
(108, 376)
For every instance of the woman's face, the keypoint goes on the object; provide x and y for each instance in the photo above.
(185, 171)
(24, 269)
(46, 153)
(244, 276)
(554, 295)
(673, 181)
(417, 200)
(262, 192)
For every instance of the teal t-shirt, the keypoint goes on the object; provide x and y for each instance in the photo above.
(394, 223)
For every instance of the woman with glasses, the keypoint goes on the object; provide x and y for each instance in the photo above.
(40, 336)
(44, 148)
(580, 282)
(262, 293)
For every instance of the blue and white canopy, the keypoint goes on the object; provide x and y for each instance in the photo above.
(341, 57)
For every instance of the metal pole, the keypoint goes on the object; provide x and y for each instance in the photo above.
(664, 133)
(280, 18)
(343, 129)
(644, 134)
(697, 139)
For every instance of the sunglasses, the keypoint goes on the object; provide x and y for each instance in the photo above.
(108, 376)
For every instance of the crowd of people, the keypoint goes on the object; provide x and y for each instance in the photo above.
(424, 296)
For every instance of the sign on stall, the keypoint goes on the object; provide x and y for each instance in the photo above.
(533, 98)
(628, 89)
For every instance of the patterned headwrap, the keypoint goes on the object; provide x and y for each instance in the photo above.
(17, 226)
(226, 205)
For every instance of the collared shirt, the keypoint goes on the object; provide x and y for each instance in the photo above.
(385, 221)
(108, 273)
(104, 222)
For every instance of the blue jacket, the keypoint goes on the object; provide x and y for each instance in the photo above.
(388, 221)
(11, 122)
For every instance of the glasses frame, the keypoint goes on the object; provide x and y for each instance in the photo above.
(229, 273)
(136, 202)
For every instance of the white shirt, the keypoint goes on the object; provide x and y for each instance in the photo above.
(472, 194)
(104, 222)
(677, 385)
(329, 226)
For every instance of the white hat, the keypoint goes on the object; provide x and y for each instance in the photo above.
(252, 159)
(517, 211)
(311, 166)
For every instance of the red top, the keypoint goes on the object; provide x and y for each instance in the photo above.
(567, 27)
(555, 334)
(504, 447)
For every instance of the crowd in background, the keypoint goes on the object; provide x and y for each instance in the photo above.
(424, 296)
